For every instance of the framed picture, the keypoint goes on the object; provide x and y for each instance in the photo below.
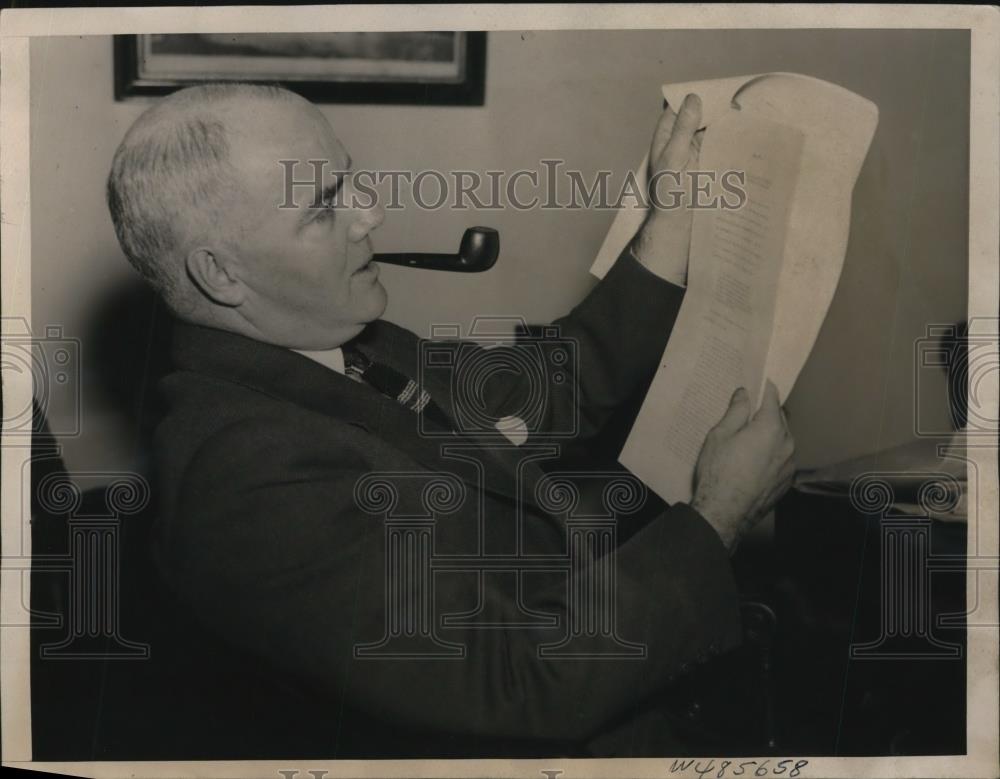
(415, 68)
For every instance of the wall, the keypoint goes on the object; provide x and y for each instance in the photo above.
(591, 99)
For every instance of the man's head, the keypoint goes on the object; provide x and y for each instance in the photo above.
(194, 193)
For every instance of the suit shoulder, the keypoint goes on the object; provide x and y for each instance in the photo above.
(225, 427)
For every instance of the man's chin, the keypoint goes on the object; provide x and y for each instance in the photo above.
(378, 301)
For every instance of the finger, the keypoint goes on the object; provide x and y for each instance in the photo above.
(697, 140)
(661, 135)
(788, 447)
(787, 472)
(678, 149)
(692, 163)
(737, 414)
(770, 405)
(784, 421)
(778, 491)
(784, 487)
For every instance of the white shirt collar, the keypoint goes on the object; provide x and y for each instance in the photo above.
(328, 358)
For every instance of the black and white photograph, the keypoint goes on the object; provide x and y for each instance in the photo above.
(519, 391)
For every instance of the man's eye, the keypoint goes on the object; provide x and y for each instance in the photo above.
(324, 212)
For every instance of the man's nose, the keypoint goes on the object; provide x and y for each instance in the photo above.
(366, 219)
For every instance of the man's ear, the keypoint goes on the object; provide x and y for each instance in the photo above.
(213, 275)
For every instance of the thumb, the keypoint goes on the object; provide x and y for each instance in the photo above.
(661, 136)
(678, 149)
(737, 414)
(770, 404)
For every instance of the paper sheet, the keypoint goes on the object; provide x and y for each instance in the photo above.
(728, 311)
(837, 127)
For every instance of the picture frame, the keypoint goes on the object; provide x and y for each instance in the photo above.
(402, 68)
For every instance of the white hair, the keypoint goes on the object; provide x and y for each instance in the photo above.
(171, 175)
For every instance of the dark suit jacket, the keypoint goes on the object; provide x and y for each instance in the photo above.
(261, 533)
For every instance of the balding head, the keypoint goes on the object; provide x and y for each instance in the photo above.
(197, 195)
(172, 177)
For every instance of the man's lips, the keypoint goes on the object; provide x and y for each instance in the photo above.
(368, 267)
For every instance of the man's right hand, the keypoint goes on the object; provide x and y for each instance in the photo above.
(744, 467)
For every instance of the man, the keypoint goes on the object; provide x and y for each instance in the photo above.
(267, 533)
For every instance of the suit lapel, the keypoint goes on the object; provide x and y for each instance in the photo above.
(509, 469)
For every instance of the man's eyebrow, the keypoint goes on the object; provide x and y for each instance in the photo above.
(330, 190)
(327, 194)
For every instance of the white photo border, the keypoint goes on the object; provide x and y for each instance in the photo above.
(18, 26)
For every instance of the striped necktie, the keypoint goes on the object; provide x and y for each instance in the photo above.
(393, 384)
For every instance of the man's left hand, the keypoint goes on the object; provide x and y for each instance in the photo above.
(663, 243)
